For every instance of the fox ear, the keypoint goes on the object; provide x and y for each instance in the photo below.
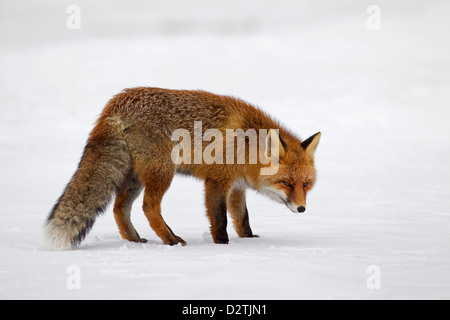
(274, 142)
(310, 144)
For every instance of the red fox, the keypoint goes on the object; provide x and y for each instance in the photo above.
(132, 148)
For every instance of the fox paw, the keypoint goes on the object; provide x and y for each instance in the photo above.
(248, 235)
(179, 240)
(176, 240)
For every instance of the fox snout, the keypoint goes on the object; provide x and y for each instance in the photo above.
(295, 208)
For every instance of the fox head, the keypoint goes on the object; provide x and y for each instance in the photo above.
(296, 174)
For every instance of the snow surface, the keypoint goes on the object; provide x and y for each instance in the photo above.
(380, 97)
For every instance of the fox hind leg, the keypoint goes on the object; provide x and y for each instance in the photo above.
(125, 196)
(156, 184)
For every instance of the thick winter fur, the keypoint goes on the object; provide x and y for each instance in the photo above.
(129, 150)
(102, 170)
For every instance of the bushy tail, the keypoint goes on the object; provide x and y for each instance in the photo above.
(102, 169)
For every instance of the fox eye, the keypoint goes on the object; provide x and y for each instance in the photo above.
(287, 184)
(306, 185)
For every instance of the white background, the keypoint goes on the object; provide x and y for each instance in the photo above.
(380, 97)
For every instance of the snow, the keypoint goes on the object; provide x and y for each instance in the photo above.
(380, 98)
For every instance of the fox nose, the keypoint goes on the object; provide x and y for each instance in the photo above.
(301, 209)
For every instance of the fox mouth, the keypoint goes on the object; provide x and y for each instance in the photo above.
(275, 195)
(291, 206)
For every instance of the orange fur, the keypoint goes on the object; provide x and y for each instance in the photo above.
(142, 121)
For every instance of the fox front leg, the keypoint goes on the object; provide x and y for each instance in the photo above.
(238, 210)
(216, 209)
